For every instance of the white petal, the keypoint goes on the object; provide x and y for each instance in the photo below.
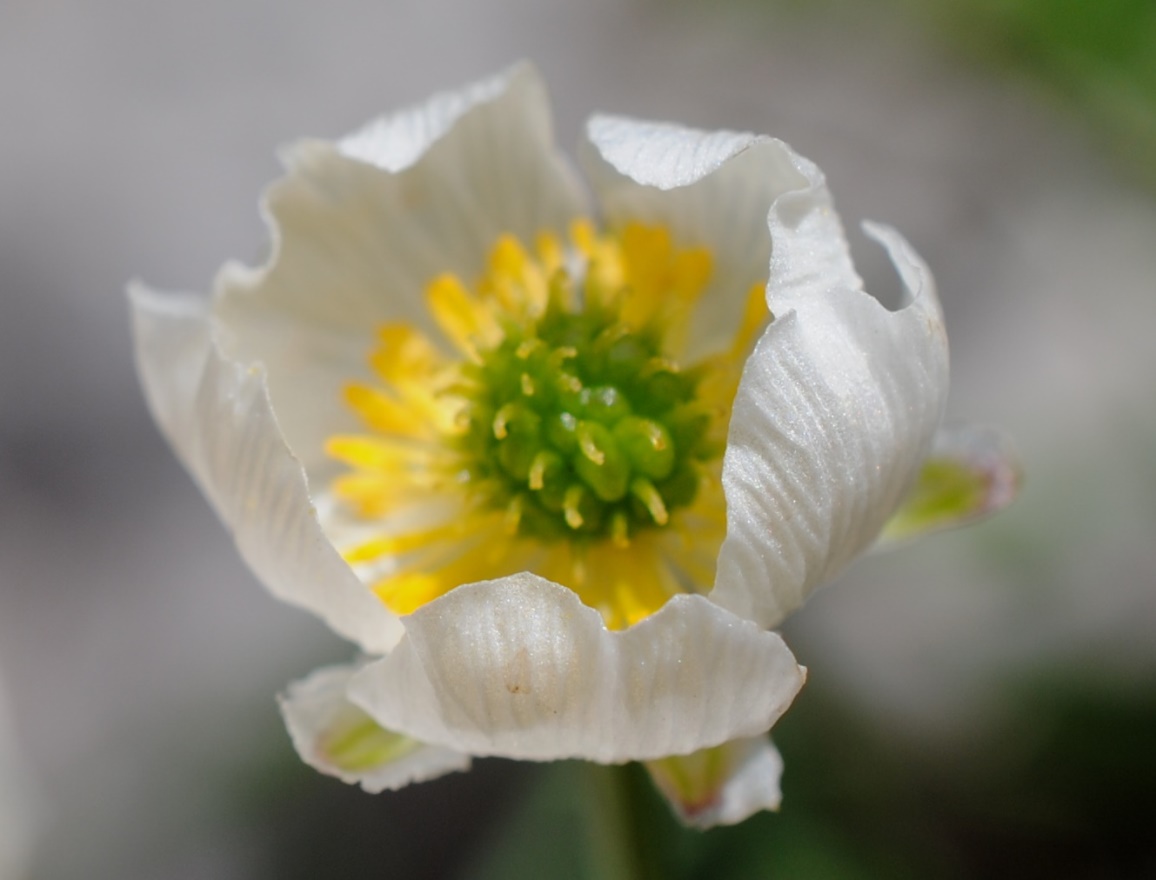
(360, 227)
(217, 416)
(708, 188)
(835, 413)
(396, 141)
(723, 785)
(519, 667)
(339, 739)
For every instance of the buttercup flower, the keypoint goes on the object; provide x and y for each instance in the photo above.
(556, 466)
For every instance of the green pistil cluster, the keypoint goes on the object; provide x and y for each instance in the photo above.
(578, 426)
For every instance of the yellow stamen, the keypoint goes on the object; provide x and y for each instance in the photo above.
(658, 365)
(378, 453)
(664, 283)
(628, 584)
(405, 356)
(385, 413)
(588, 446)
(756, 315)
(528, 347)
(642, 489)
(516, 281)
(465, 320)
(373, 497)
(502, 420)
(405, 593)
(514, 515)
(407, 590)
(570, 502)
(550, 253)
(537, 477)
(620, 530)
(392, 545)
(424, 418)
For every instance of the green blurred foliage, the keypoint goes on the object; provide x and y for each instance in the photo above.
(1064, 786)
(1098, 55)
(850, 813)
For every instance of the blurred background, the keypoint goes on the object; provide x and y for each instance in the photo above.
(982, 704)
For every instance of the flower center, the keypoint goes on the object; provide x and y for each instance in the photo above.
(579, 425)
(552, 431)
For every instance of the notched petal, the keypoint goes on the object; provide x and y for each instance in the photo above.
(723, 785)
(339, 739)
(519, 667)
(972, 472)
(833, 418)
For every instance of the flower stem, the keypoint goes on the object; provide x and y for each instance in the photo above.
(617, 846)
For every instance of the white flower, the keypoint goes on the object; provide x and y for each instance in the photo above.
(558, 477)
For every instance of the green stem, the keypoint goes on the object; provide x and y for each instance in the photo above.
(617, 845)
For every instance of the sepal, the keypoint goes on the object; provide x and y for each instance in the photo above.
(972, 472)
(334, 736)
(723, 785)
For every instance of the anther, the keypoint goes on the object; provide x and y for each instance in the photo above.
(656, 365)
(502, 420)
(560, 355)
(574, 496)
(569, 382)
(527, 347)
(611, 335)
(527, 385)
(642, 489)
(655, 435)
(588, 446)
(537, 477)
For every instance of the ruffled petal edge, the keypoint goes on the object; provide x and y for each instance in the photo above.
(519, 667)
